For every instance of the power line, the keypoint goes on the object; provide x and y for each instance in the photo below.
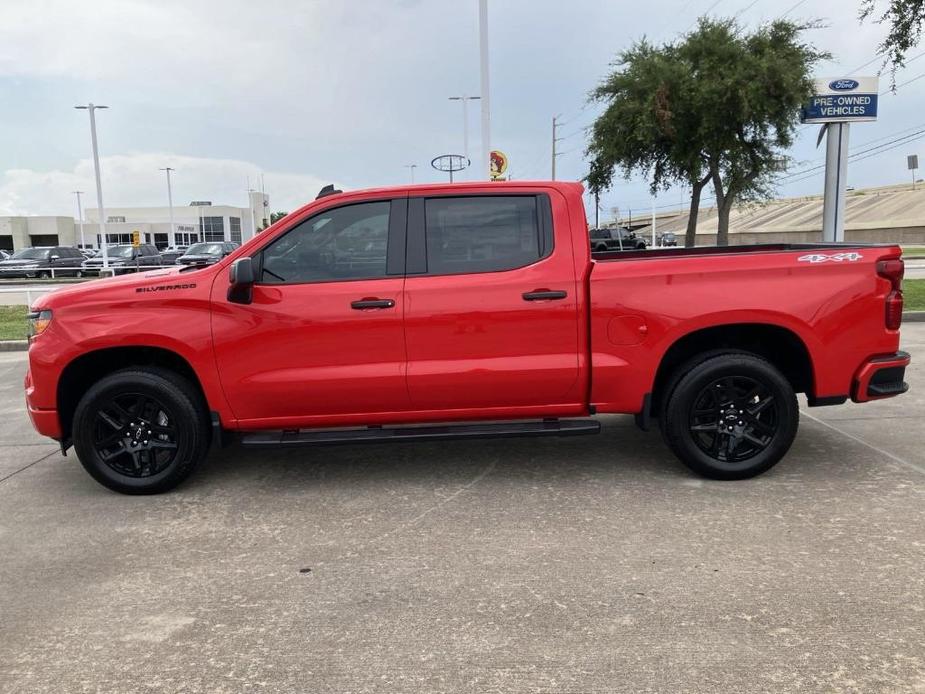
(801, 2)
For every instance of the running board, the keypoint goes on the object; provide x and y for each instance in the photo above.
(306, 437)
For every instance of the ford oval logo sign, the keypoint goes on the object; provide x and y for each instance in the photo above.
(843, 85)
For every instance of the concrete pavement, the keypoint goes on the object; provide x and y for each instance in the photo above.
(593, 564)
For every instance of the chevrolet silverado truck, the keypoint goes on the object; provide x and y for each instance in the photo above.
(459, 311)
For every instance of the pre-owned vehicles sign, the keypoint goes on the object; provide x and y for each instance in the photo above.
(843, 99)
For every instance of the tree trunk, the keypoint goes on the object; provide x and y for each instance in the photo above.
(724, 200)
(690, 236)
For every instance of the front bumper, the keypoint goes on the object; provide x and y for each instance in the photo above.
(46, 422)
(881, 377)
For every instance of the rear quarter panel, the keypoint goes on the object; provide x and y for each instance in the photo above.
(640, 307)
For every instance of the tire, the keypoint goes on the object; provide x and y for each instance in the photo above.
(115, 418)
(729, 416)
(43, 275)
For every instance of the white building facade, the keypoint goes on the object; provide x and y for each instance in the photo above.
(199, 221)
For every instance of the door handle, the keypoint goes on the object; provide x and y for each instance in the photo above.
(545, 295)
(372, 303)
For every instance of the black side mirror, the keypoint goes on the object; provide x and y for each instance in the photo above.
(241, 281)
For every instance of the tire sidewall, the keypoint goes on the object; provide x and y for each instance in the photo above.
(689, 388)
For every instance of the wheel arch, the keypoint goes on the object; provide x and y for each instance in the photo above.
(90, 367)
(780, 346)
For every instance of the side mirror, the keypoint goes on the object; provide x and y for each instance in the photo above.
(56, 257)
(241, 281)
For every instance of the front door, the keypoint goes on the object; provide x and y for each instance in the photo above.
(491, 317)
(322, 341)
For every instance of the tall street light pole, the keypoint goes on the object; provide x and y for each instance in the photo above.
(80, 218)
(484, 88)
(173, 230)
(96, 170)
(411, 168)
(464, 99)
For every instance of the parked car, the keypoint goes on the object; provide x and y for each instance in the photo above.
(475, 310)
(170, 254)
(668, 239)
(87, 252)
(618, 239)
(124, 258)
(43, 261)
(206, 253)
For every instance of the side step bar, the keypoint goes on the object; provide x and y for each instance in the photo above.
(431, 432)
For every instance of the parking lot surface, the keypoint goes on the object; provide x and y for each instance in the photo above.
(593, 564)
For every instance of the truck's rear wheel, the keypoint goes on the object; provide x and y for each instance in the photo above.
(731, 416)
(141, 430)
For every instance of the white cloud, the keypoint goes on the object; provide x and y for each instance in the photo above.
(135, 180)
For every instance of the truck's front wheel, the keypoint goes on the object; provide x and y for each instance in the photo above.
(141, 430)
(731, 416)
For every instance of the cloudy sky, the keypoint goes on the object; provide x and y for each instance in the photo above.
(308, 92)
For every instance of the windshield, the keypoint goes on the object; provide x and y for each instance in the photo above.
(205, 249)
(31, 254)
(116, 252)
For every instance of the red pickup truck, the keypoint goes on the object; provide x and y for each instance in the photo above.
(454, 311)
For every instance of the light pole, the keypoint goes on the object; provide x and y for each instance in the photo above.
(80, 218)
(96, 170)
(411, 168)
(465, 111)
(173, 231)
(484, 87)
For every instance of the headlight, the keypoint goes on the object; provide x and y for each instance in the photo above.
(38, 321)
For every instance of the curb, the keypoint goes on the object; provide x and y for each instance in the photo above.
(913, 316)
(14, 345)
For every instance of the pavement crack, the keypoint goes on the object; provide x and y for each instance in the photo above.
(26, 467)
(891, 456)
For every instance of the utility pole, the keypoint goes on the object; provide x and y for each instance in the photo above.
(99, 188)
(80, 218)
(172, 238)
(411, 167)
(465, 112)
(555, 139)
(597, 211)
(484, 88)
(653, 222)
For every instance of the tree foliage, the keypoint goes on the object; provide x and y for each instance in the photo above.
(905, 18)
(719, 106)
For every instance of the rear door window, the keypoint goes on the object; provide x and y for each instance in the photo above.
(481, 234)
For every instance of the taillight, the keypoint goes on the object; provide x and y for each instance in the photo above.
(893, 270)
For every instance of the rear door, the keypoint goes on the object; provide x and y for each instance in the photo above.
(491, 317)
(322, 341)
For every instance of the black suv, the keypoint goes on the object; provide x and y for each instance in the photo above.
(206, 253)
(615, 240)
(43, 261)
(123, 259)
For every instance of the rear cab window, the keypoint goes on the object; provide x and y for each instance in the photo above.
(478, 233)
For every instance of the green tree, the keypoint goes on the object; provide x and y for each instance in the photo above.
(274, 218)
(719, 106)
(905, 18)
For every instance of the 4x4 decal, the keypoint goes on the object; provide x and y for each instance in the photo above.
(830, 257)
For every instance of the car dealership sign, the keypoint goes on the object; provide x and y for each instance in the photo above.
(843, 100)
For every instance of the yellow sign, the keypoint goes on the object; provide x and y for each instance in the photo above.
(497, 164)
(136, 238)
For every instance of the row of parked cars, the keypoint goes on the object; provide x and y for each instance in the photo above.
(67, 261)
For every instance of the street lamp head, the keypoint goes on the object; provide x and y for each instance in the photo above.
(89, 106)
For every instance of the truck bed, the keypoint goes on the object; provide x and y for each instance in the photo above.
(727, 250)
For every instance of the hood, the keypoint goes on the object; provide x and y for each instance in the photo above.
(121, 288)
(18, 262)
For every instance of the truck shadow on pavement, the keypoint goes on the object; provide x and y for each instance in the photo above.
(621, 453)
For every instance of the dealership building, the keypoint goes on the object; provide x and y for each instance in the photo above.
(199, 221)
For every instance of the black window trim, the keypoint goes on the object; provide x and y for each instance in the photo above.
(394, 249)
(416, 263)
